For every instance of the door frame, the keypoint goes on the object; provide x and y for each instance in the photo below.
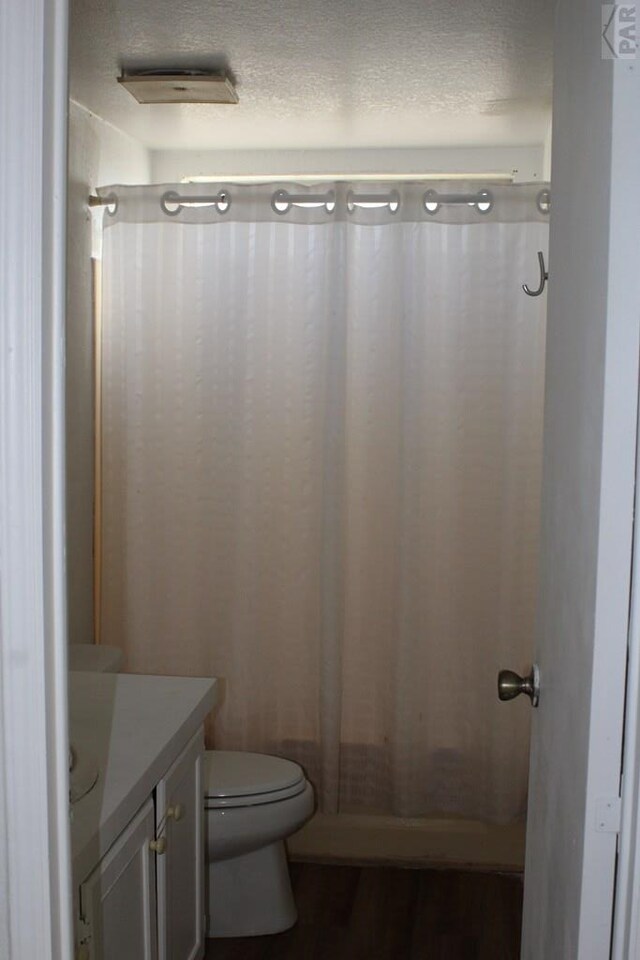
(626, 913)
(35, 906)
(35, 873)
(626, 910)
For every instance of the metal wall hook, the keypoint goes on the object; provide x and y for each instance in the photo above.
(544, 276)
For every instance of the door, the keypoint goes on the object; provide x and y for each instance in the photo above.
(179, 813)
(118, 901)
(588, 495)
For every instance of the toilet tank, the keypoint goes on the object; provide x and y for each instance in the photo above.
(93, 658)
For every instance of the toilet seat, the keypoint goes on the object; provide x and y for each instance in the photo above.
(239, 779)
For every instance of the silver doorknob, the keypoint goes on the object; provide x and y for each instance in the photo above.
(511, 685)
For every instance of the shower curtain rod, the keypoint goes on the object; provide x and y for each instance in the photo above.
(447, 198)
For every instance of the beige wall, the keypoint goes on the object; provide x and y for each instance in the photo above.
(98, 154)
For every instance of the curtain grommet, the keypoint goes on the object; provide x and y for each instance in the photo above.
(430, 202)
(170, 197)
(111, 200)
(543, 201)
(280, 197)
(223, 200)
(485, 205)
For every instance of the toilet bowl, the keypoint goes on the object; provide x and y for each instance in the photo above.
(253, 802)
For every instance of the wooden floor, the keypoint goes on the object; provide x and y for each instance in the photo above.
(385, 913)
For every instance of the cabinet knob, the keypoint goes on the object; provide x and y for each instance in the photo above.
(158, 846)
(175, 813)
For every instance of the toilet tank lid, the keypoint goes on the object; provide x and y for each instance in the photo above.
(238, 774)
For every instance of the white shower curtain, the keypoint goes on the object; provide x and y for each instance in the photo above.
(321, 466)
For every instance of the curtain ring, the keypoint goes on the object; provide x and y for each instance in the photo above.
(170, 197)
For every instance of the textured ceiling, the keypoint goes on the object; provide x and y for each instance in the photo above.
(324, 73)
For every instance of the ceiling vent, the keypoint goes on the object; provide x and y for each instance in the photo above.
(179, 86)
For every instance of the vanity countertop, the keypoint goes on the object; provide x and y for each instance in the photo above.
(132, 727)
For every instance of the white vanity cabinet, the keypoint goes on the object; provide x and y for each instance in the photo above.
(137, 836)
(145, 898)
(117, 904)
(180, 868)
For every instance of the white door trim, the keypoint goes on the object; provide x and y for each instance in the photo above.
(35, 886)
(626, 917)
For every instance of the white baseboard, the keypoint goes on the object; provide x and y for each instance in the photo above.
(434, 842)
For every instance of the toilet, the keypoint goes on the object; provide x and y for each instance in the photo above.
(253, 802)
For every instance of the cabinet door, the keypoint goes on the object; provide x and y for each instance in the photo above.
(118, 900)
(179, 813)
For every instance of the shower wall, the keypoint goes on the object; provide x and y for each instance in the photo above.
(98, 153)
(524, 164)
